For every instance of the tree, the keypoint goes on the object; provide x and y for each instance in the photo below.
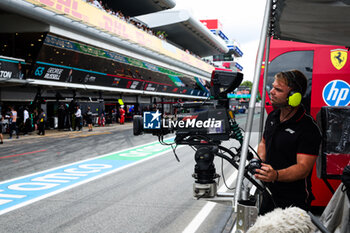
(249, 84)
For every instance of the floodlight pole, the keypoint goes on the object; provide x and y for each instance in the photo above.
(252, 102)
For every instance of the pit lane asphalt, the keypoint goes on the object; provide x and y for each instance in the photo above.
(34, 153)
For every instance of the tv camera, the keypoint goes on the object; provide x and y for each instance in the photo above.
(204, 128)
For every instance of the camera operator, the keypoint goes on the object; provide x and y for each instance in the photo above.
(289, 146)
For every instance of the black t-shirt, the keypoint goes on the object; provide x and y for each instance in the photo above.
(299, 134)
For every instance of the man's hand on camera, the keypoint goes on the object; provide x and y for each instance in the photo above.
(266, 173)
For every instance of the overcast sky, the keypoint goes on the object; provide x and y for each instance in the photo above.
(241, 20)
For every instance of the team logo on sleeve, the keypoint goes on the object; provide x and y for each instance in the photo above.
(339, 57)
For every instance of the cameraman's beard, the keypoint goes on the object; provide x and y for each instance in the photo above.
(280, 105)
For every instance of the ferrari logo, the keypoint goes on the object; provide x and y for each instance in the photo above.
(339, 57)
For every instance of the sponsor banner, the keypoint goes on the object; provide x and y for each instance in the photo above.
(202, 84)
(77, 47)
(135, 62)
(239, 96)
(10, 69)
(182, 90)
(176, 80)
(238, 66)
(51, 72)
(222, 35)
(169, 72)
(65, 74)
(336, 93)
(150, 66)
(212, 24)
(92, 16)
(152, 120)
(236, 51)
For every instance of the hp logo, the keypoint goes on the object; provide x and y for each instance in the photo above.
(336, 93)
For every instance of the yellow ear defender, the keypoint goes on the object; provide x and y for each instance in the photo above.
(294, 97)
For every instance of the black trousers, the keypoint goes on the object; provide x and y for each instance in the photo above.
(27, 126)
(13, 127)
(41, 128)
(78, 123)
(268, 204)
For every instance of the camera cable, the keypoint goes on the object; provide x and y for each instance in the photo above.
(161, 141)
(223, 176)
(235, 165)
(251, 148)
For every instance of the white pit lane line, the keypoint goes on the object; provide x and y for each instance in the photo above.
(205, 211)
